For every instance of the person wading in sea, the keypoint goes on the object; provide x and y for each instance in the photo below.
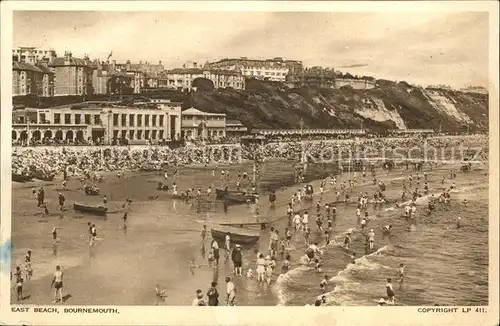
(237, 260)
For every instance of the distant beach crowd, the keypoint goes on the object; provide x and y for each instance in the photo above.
(49, 162)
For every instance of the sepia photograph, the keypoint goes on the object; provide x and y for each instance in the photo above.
(248, 158)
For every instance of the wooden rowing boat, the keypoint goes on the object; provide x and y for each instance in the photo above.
(221, 193)
(92, 209)
(239, 199)
(237, 235)
(44, 176)
(21, 177)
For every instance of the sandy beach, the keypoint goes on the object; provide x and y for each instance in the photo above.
(163, 236)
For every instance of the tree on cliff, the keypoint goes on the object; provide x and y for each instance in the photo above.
(203, 84)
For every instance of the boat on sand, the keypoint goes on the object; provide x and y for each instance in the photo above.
(238, 235)
(92, 209)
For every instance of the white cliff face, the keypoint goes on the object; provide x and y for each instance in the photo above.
(445, 105)
(379, 112)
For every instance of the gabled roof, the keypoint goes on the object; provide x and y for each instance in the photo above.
(193, 111)
(24, 66)
(58, 62)
(45, 70)
(16, 65)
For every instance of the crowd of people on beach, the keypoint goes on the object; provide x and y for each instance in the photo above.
(89, 163)
(265, 267)
(51, 162)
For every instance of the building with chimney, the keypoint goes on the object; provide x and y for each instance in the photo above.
(32, 79)
(182, 78)
(73, 76)
(108, 80)
(32, 55)
(275, 69)
(317, 77)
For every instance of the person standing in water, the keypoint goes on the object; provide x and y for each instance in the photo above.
(401, 272)
(390, 291)
(230, 292)
(57, 283)
(227, 247)
(61, 202)
(236, 257)
(371, 239)
(347, 240)
(55, 240)
(215, 252)
(213, 295)
(261, 269)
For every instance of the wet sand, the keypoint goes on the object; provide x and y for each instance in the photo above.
(162, 237)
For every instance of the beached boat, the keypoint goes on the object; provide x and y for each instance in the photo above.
(221, 193)
(93, 209)
(238, 235)
(239, 198)
(21, 177)
(43, 176)
(234, 196)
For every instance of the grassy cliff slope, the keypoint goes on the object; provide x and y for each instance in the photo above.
(388, 106)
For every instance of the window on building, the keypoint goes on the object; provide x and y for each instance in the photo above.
(146, 120)
(124, 120)
(139, 134)
(160, 134)
(78, 119)
(131, 121)
(97, 119)
(80, 90)
(153, 134)
(161, 120)
(124, 133)
(57, 118)
(115, 119)
(115, 134)
(139, 122)
(132, 134)
(146, 134)
(87, 119)
(153, 120)
(67, 119)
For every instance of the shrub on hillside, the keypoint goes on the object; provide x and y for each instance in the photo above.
(203, 84)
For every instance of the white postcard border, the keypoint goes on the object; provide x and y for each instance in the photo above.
(169, 315)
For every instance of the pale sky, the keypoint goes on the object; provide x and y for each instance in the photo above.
(420, 48)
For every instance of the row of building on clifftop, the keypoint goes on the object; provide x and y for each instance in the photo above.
(41, 72)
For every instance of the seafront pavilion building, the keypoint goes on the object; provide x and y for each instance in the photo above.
(202, 125)
(99, 121)
(234, 128)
